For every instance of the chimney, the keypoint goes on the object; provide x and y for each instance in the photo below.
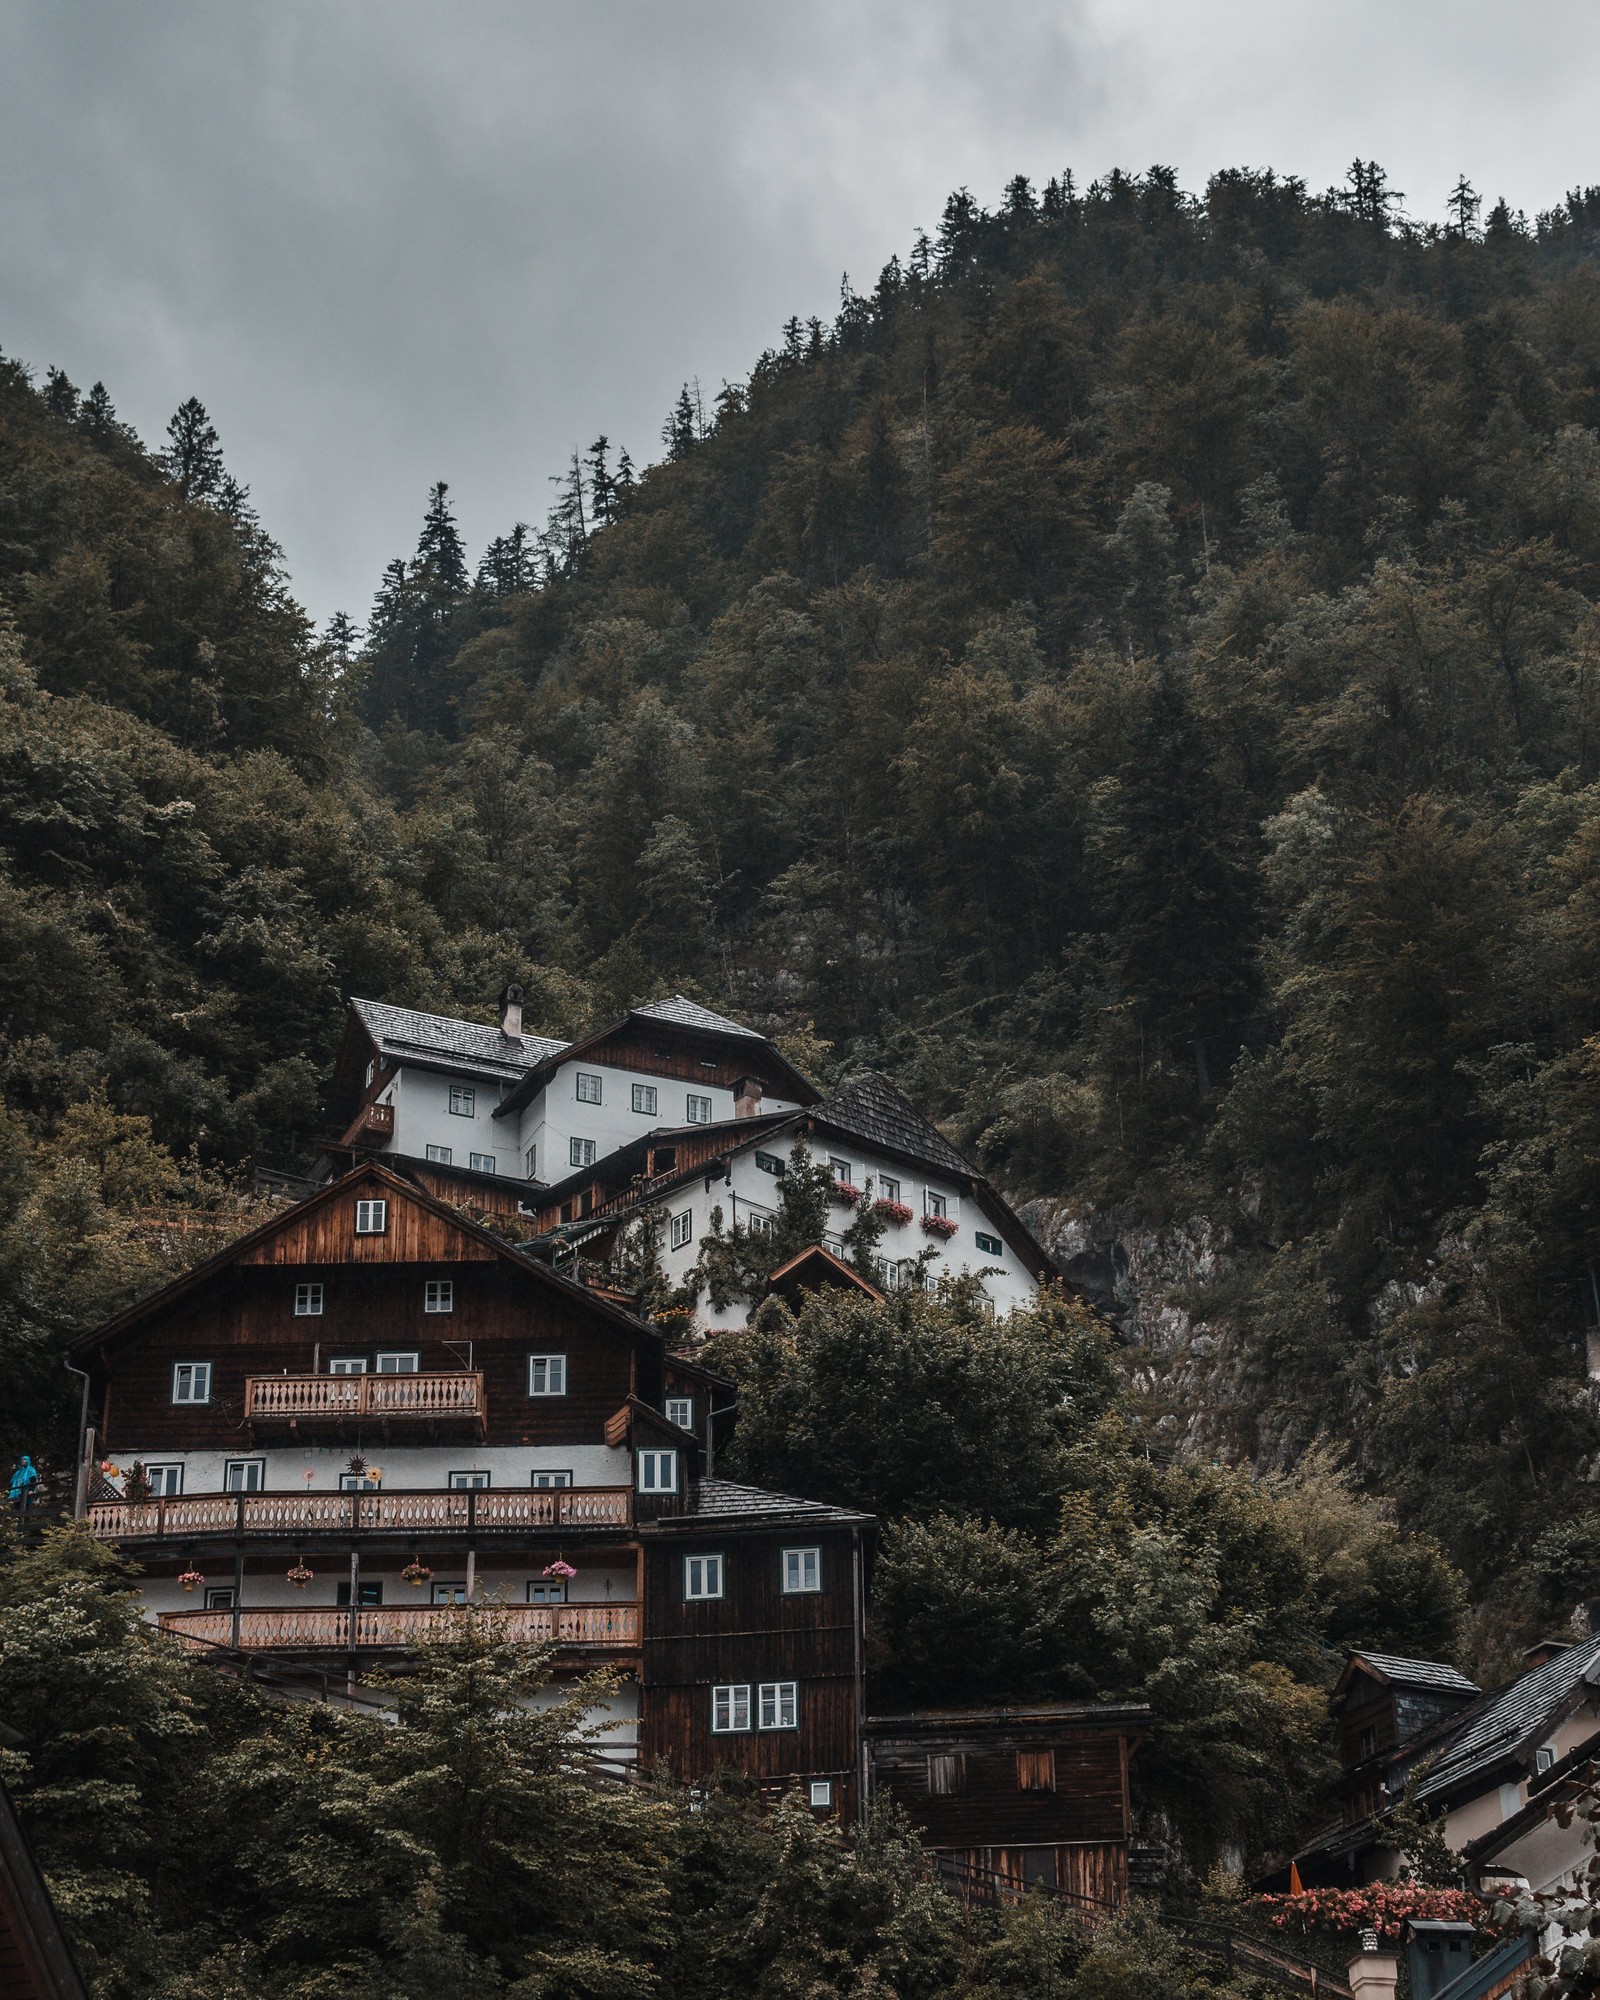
(747, 1097)
(511, 1013)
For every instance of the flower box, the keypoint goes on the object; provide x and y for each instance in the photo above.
(892, 1211)
(939, 1225)
(1379, 1906)
(847, 1193)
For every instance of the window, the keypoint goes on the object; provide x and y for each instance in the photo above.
(680, 1411)
(547, 1374)
(307, 1301)
(580, 1152)
(888, 1188)
(699, 1110)
(547, 1593)
(821, 1790)
(191, 1382)
(644, 1099)
(468, 1482)
(991, 1246)
(219, 1597)
(1544, 1757)
(372, 1218)
(802, 1571)
(841, 1169)
(366, 1593)
(658, 1472)
(762, 1220)
(588, 1087)
(357, 1482)
(449, 1593)
(530, 1160)
(1036, 1770)
(1039, 1867)
(439, 1295)
(392, 1363)
(371, 1072)
(347, 1364)
(730, 1710)
(683, 1229)
(1367, 1743)
(548, 1479)
(481, 1163)
(442, 1155)
(244, 1475)
(947, 1773)
(770, 1163)
(463, 1102)
(702, 1576)
(933, 1204)
(166, 1481)
(778, 1706)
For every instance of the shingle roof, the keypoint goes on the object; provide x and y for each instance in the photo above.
(871, 1109)
(1497, 1724)
(689, 1014)
(723, 1500)
(1417, 1673)
(402, 1031)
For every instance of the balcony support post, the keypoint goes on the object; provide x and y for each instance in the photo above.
(238, 1575)
(472, 1571)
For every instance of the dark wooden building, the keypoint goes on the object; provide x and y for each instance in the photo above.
(1015, 1797)
(35, 1961)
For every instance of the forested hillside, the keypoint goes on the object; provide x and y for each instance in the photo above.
(1131, 677)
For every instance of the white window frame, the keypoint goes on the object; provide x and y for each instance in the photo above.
(219, 1596)
(357, 1482)
(550, 1479)
(441, 1156)
(704, 1577)
(372, 1218)
(934, 1203)
(580, 1152)
(547, 1374)
(396, 1356)
(778, 1705)
(347, 1364)
(244, 1466)
(697, 1109)
(821, 1791)
(763, 1220)
(650, 1467)
(644, 1099)
(308, 1300)
(684, 1406)
(888, 1188)
(797, 1564)
(467, 1482)
(546, 1590)
(842, 1170)
(589, 1087)
(481, 1163)
(449, 1593)
(989, 1245)
(530, 1160)
(683, 1229)
(191, 1382)
(463, 1101)
(166, 1478)
(439, 1295)
(730, 1709)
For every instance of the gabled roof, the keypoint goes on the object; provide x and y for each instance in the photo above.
(725, 1500)
(439, 1038)
(1499, 1724)
(690, 1014)
(1432, 1675)
(817, 1265)
(870, 1109)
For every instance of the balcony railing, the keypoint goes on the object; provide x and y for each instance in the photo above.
(371, 1126)
(348, 1398)
(517, 1509)
(310, 1628)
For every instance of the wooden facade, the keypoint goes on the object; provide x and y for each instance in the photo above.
(1012, 1798)
(35, 1961)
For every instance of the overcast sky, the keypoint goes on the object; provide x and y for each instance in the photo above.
(387, 243)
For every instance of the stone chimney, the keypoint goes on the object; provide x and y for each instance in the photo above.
(747, 1097)
(511, 1013)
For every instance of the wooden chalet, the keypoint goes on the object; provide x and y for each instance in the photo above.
(36, 1962)
(1013, 1798)
(371, 1409)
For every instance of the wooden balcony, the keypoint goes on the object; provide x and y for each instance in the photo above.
(293, 1516)
(392, 1628)
(373, 1125)
(453, 1401)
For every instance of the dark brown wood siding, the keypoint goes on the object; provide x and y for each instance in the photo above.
(1088, 1804)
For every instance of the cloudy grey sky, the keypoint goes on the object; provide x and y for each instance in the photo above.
(388, 242)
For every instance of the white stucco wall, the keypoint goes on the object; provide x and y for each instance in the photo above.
(423, 1118)
(405, 1468)
(555, 1117)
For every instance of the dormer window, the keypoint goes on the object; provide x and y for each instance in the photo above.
(372, 1218)
(680, 1411)
(463, 1102)
(658, 1472)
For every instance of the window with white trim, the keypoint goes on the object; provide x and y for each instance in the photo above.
(398, 1361)
(244, 1475)
(589, 1086)
(934, 1204)
(802, 1571)
(698, 1109)
(680, 1411)
(683, 1229)
(307, 1301)
(580, 1152)
(821, 1790)
(991, 1246)
(702, 1576)
(165, 1481)
(439, 1295)
(730, 1710)
(644, 1099)
(547, 1591)
(530, 1160)
(778, 1705)
(481, 1163)
(347, 1364)
(544, 1481)
(357, 1482)
(219, 1597)
(658, 1472)
(547, 1374)
(372, 1218)
(468, 1482)
(191, 1381)
(463, 1102)
(841, 1169)
(442, 1156)
(888, 1188)
(762, 1220)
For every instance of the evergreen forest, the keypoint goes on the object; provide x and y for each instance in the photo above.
(1133, 678)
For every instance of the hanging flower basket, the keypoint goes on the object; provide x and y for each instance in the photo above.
(847, 1194)
(939, 1225)
(300, 1576)
(891, 1211)
(191, 1579)
(416, 1574)
(562, 1570)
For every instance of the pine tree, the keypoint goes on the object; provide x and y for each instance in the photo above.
(602, 484)
(1463, 205)
(194, 455)
(61, 398)
(342, 638)
(678, 432)
(441, 554)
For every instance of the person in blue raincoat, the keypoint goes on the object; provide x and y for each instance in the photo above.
(23, 1481)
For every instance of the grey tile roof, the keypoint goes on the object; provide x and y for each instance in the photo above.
(724, 1500)
(689, 1014)
(402, 1031)
(1418, 1673)
(872, 1110)
(1496, 1724)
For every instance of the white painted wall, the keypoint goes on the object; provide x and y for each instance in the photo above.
(405, 1468)
(423, 1118)
(555, 1117)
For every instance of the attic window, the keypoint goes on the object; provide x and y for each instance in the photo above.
(664, 1160)
(770, 1163)
(372, 1218)
(708, 1062)
(991, 1246)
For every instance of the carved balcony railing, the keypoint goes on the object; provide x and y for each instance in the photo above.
(455, 1397)
(373, 1125)
(382, 1627)
(293, 1515)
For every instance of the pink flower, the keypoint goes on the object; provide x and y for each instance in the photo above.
(561, 1569)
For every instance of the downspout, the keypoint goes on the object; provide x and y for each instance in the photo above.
(860, 1623)
(80, 1490)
